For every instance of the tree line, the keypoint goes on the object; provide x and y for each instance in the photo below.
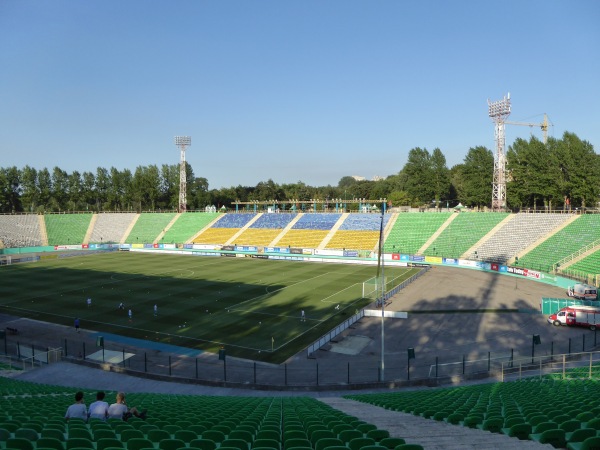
(562, 173)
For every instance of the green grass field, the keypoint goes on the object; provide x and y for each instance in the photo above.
(251, 306)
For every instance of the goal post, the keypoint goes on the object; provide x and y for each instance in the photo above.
(5, 260)
(372, 287)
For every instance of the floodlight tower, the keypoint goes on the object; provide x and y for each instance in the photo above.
(499, 112)
(182, 142)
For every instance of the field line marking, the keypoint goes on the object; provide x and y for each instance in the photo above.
(277, 290)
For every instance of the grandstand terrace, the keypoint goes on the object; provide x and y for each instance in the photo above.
(358, 232)
(589, 265)
(584, 230)
(110, 228)
(65, 229)
(187, 226)
(517, 234)
(148, 227)
(265, 229)
(20, 230)
(463, 232)
(227, 226)
(411, 231)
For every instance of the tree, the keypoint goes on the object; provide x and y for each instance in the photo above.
(45, 188)
(346, 182)
(418, 173)
(60, 189)
(440, 176)
(74, 194)
(102, 184)
(89, 190)
(30, 192)
(473, 179)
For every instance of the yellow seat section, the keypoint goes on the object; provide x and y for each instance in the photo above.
(261, 237)
(215, 236)
(355, 240)
(302, 238)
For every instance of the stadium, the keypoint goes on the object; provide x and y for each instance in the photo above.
(357, 253)
(230, 288)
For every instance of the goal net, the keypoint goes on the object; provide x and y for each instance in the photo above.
(372, 288)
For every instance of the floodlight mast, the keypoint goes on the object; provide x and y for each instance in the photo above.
(182, 142)
(499, 112)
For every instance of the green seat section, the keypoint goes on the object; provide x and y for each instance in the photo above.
(412, 230)
(579, 233)
(187, 226)
(66, 229)
(148, 227)
(463, 232)
(590, 265)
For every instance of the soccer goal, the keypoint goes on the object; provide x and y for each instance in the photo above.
(372, 288)
(5, 260)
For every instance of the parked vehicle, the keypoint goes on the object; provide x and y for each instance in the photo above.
(583, 316)
(583, 292)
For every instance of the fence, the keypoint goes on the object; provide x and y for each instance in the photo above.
(428, 367)
(574, 365)
(326, 338)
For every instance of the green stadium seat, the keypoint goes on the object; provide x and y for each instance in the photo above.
(73, 443)
(391, 442)
(203, 444)
(104, 443)
(19, 444)
(137, 443)
(158, 435)
(48, 442)
(591, 443)
(580, 435)
(27, 433)
(171, 444)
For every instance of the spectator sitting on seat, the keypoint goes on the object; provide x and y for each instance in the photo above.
(98, 409)
(119, 410)
(77, 410)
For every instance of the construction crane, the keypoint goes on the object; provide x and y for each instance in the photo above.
(543, 126)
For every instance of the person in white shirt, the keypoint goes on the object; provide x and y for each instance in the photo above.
(120, 410)
(98, 409)
(78, 409)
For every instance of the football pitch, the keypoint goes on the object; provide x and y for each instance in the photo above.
(250, 306)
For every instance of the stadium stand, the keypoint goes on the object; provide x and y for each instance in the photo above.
(523, 409)
(148, 227)
(110, 228)
(302, 238)
(178, 421)
(312, 221)
(187, 225)
(516, 235)
(265, 229)
(582, 231)
(65, 229)
(589, 265)
(463, 232)
(411, 231)
(22, 230)
(358, 232)
(224, 229)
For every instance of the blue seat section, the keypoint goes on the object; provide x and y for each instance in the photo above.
(277, 221)
(313, 221)
(234, 220)
(364, 222)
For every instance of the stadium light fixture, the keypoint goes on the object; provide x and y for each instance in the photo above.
(499, 112)
(182, 142)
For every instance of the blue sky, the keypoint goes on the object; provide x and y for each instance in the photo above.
(288, 90)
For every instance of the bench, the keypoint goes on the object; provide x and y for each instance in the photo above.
(11, 330)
